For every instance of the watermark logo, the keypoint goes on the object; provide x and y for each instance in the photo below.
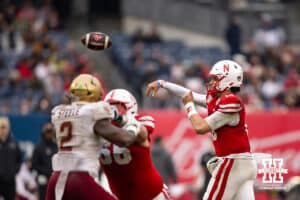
(272, 171)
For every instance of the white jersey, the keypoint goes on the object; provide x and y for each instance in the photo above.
(78, 145)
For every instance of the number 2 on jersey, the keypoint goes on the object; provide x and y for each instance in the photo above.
(65, 133)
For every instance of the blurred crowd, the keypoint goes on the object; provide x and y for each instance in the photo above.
(272, 66)
(37, 58)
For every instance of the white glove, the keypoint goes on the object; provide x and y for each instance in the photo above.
(132, 125)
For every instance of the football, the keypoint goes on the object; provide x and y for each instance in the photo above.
(96, 41)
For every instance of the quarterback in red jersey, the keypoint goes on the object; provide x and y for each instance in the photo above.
(129, 171)
(234, 169)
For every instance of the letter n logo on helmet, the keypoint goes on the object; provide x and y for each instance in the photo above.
(226, 68)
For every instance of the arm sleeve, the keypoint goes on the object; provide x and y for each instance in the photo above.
(180, 91)
(219, 119)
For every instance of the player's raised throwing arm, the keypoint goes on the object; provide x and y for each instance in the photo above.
(178, 90)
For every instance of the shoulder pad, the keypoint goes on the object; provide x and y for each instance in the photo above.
(56, 108)
(101, 110)
(229, 103)
(147, 121)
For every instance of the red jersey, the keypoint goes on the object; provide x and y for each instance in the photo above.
(229, 139)
(130, 172)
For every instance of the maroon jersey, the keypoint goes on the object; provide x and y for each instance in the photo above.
(229, 139)
(130, 172)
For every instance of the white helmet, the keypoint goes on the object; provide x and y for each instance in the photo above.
(228, 73)
(125, 97)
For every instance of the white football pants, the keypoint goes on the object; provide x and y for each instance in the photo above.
(232, 179)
